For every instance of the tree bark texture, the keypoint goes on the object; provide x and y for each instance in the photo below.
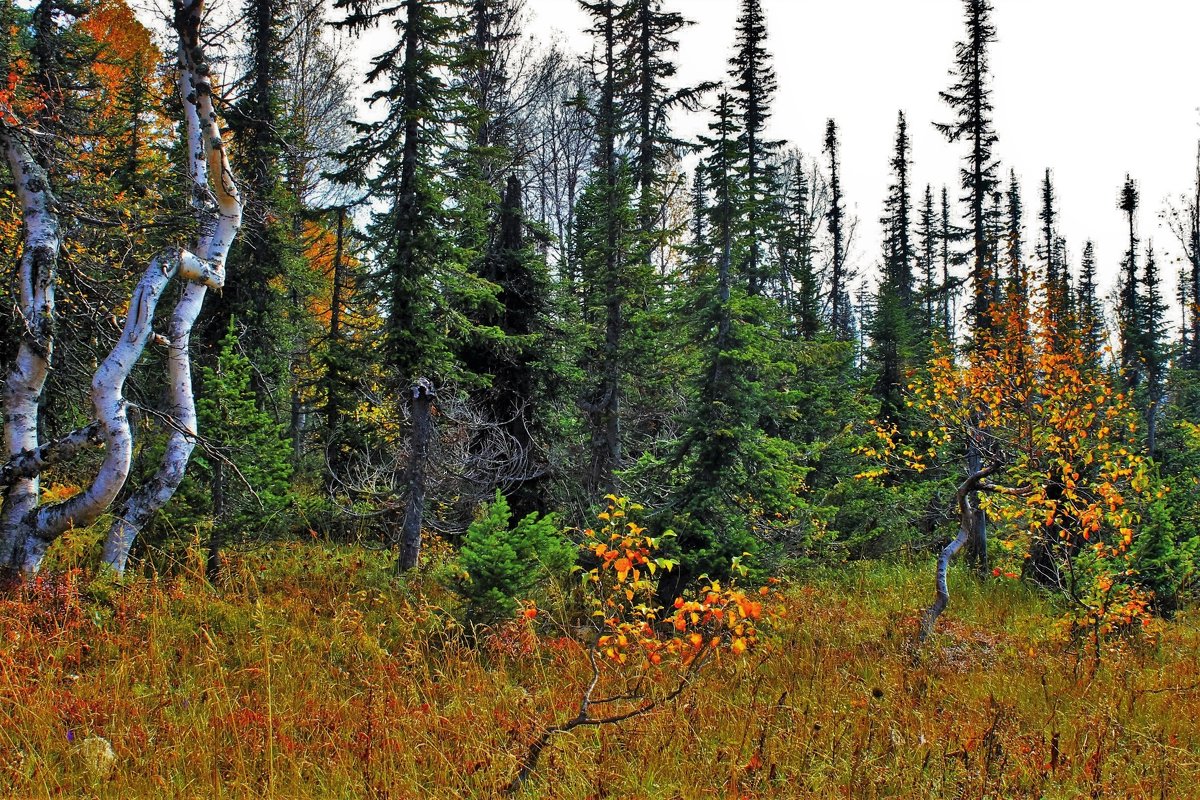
(422, 398)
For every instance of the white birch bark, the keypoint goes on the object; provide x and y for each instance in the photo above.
(111, 410)
(212, 183)
(36, 277)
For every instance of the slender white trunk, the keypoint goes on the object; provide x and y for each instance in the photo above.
(37, 274)
(111, 411)
(211, 179)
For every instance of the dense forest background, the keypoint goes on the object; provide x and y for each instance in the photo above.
(508, 274)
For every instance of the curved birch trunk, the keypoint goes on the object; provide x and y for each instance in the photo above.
(212, 181)
(111, 410)
(967, 520)
(36, 277)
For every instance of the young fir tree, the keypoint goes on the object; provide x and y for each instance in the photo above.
(970, 97)
(753, 89)
(247, 464)
(840, 312)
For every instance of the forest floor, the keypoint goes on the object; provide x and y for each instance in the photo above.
(310, 673)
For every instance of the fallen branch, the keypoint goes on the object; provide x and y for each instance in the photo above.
(32, 463)
(585, 719)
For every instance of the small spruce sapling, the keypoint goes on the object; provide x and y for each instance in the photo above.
(504, 563)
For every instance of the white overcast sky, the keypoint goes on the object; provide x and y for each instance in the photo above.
(1089, 88)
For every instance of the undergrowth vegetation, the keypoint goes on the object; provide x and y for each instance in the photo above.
(311, 671)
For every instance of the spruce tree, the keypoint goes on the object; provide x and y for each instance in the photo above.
(806, 311)
(1057, 276)
(247, 462)
(1153, 350)
(970, 97)
(840, 313)
(927, 254)
(1090, 310)
(948, 235)
(602, 401)
(1129, 304)
(1016, 300)
(1188, 231)
(508, 347)
(753, 90)
(649, 33)
(396, 158)
(268, 286)
(725, 463)
(891, 327)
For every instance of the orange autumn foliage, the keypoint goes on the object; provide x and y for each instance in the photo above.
(1032, 401)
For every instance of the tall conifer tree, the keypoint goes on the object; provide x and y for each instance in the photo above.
(396, 158)
(840, 312)
(1129, 302)
(970, 97)
(892, 330)
(753, 89)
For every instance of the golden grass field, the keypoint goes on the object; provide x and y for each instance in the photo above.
(311, 673)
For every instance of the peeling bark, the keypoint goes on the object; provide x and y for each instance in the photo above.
(212, 183)
(37, 274)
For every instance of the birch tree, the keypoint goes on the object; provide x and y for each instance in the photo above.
(28, 527)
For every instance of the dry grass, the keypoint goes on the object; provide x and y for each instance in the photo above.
(311, 673)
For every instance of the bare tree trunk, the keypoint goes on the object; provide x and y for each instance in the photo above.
(968, 516)
(422, 399)
(977, 543)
